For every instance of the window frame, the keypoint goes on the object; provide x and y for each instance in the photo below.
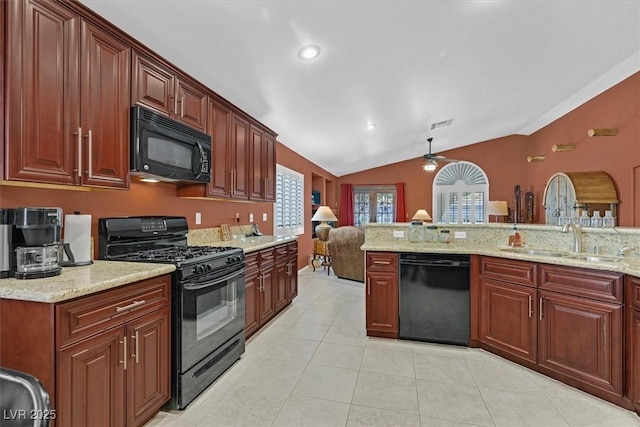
(474, 181)
(292, 199)
(373, 191)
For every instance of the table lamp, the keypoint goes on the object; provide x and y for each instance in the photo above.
(497, 208)
(323, 214)
(421, 215)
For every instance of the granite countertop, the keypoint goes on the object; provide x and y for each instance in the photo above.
(627, 265)
(102, 275)
(79, 281)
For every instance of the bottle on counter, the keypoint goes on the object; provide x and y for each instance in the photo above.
(431, 234)
(585, 221)
(596, 220)
(416, 233)
(445, 236)
(609, 221)
(514, 238)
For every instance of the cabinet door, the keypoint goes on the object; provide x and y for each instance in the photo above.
(269, 167)
(42, 108)
(634, 359)
(508, 318)
(582, 339)
(281, 284)
(191, 103)
(252, 299)
(219, 129)
(149, 366)
(239, 155)
(105, 108)
(255, 167)
(152, 85)
(267, 296)
(91, 381)
(292, 285)
(382, 304)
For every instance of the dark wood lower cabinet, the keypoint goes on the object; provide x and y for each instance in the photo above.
(104, 358)
(271, 283)
(148, 370)
(508, 320)
(632, 340)
(565, 322)
(582, 339)
(382, 294)
(91, 382)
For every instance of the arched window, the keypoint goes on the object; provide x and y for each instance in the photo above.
(460, 194)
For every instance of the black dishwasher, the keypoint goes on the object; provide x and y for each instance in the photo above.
(434, 298)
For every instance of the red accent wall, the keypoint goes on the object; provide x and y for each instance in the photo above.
(504, 160)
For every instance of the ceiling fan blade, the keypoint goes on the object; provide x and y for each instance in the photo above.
(447, 160)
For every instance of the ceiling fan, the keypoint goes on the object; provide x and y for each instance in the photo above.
(433, 159)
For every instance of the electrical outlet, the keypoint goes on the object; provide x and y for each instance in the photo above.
(264, 216)
(237, 217)
(250, 217)
(398, 233)
(198, 218)
(460, 234)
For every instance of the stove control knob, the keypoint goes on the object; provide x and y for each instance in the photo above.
(209, 267)
(194, 271)
(201, 269)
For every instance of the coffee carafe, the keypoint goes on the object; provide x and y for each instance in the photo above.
(36, 242)
(7, 258)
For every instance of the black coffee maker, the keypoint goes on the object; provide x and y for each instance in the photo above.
(35, 243)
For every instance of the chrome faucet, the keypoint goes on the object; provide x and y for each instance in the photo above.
(577, 235)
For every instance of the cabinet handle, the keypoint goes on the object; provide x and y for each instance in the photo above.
(135, 337)
(79, 151)
(530, 306)
(90, 157)
(124, 361)
(182, 106)
(368, 285)
(540, 307)
(382, 262)
(175, 104)
(130, 306)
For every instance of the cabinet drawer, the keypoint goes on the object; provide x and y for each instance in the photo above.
(633, 292)
(251, 261)
(594, 284)
(86, 316)
(266, 257)
(292, 248)
(382, 261)
(520, 272)
(281, 251)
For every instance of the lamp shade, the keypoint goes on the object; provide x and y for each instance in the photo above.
(324, 213)
(421, 215)
(497, 208)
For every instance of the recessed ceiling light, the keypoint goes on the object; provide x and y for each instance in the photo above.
(309, 52)
(370, 126)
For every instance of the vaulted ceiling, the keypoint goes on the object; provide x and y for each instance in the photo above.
(494, 68)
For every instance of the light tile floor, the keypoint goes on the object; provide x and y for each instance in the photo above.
(314, 366)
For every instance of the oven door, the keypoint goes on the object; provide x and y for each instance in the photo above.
(211, 311)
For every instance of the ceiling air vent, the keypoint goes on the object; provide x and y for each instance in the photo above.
(442, 124)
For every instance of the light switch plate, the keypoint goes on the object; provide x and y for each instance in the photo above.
(460, 234)
(264, 216)
(198, 218)
(398, 233)
(250, 217)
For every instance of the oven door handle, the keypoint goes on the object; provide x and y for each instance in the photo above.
(215, 282)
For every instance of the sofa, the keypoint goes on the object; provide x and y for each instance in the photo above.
(347, 259)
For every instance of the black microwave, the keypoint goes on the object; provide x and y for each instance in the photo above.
(168, 150)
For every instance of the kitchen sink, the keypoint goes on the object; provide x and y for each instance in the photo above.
(594, 258)
(537, 252)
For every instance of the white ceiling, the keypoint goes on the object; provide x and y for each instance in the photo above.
(496, 68)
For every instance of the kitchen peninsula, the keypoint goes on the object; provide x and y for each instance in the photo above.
(568, 315)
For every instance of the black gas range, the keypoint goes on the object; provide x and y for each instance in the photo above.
(208, 307)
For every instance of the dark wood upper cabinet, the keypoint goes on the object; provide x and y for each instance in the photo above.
(219, 129)
(239, 155)
(67, 106)
(255, 191)
(157, 86)
(263, 165)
